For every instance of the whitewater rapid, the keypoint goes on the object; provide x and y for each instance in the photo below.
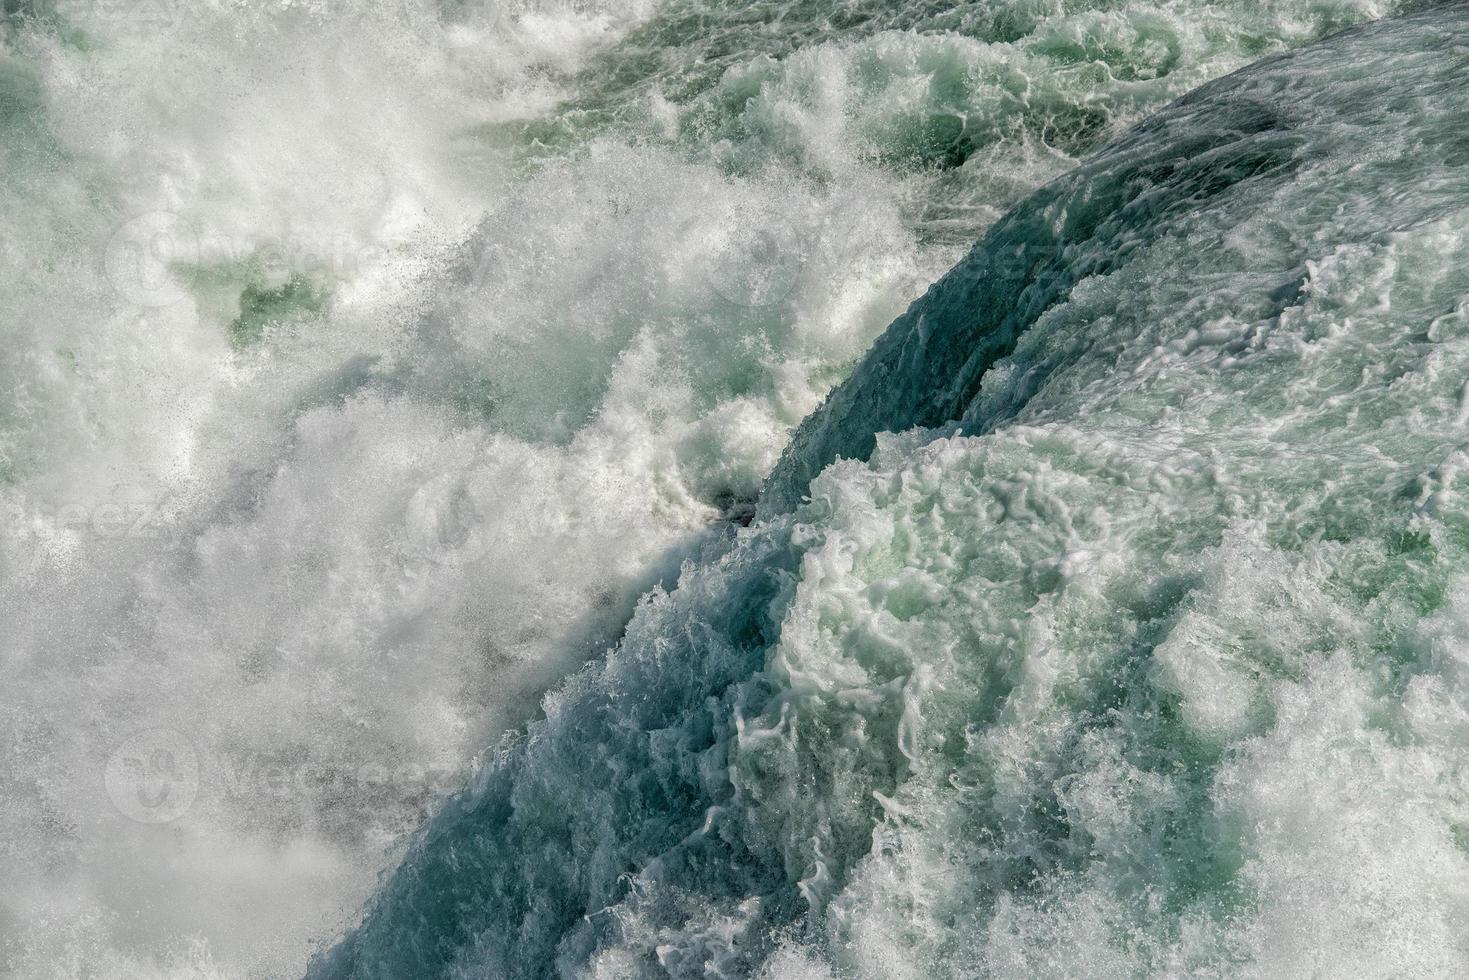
(370, 369)
(1142, 654)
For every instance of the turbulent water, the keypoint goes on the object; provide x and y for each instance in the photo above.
(387, 388)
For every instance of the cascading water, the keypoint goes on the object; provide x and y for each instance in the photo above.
(373, 370)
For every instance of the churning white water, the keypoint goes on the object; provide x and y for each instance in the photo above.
(364, 363)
